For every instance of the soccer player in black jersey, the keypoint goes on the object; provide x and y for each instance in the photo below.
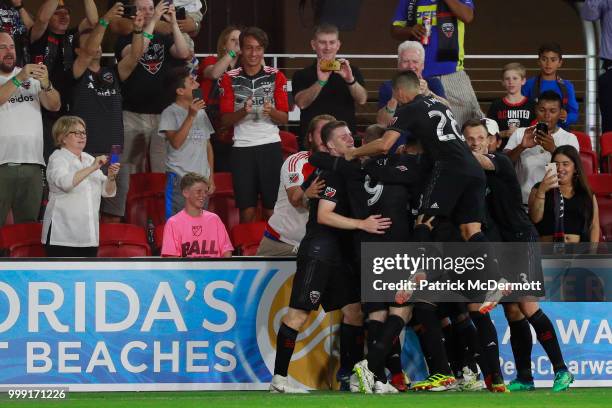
(323, 275)
(505, 204)
(381, 187)
(456, 188)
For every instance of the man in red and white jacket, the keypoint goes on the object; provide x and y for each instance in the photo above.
(287, 226)
(253, 99)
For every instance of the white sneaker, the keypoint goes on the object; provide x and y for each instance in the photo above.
(384, 388)
(365, 376)
(354, 383)
(492, 298)
(281, 385)
(471, 381)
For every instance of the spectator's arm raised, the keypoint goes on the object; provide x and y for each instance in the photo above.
(179, 50)
(160, 10)
(91, 15)
(45, 12)
(126, 66)
(94, 41)
(23, 13)
(358, 92)
(49, 96)
(304, 98)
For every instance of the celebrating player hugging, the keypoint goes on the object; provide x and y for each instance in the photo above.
(444, 184)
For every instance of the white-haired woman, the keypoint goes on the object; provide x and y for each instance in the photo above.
(76, 185)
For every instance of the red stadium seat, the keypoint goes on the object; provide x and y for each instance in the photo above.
(601, 184)
(122, 241)
(605, 218)
(223, 184)
(289, 143)
(22, 240)
(605, 142)
(225, 207)
(159, 236)
(584, 141)
(246, 237)
(146, 183)
(140, 207)
(589, 162)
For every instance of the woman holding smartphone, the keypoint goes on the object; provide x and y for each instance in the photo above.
(562, 206)
(76, 185)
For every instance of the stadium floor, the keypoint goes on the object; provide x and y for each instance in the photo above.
(577, 397)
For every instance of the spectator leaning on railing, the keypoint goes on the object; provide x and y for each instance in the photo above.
(76, 185)
(22, 92)
(96, 98)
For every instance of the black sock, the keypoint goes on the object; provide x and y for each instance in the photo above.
(483, 248)
(377, 355)
(548, 339)
(487, 335)
(351, 345)
(374, 330)
(468, 334)
(419, 330)
(285, 343)
(453, 350)
(521, 342)
(432, 339)
(394, 358)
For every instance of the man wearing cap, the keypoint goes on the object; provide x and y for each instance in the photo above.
(52, 43)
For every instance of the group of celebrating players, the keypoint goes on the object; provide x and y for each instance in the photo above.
(439, 187)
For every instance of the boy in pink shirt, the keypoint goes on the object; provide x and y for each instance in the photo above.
(195, 232)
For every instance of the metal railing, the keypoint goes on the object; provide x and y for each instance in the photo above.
(590, 72)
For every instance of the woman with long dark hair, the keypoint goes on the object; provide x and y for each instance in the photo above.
(562, 206)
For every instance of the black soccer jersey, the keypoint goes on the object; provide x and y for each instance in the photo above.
(505, 201)
(438, 131)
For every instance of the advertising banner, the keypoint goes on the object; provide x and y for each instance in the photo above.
(194, 325)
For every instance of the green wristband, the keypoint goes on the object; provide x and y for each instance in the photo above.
(16, 82)
(103, 23)
(232, 53)
(147, 35)
(322, 83)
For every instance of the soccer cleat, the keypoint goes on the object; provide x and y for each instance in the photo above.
(492, 298)
(436, 382)
(519, 385)
(563, 379)
(365, 377)
(354, 383)
(400, 381)
(384, 388)
(280, 385)
(471, 381)
(344, 379)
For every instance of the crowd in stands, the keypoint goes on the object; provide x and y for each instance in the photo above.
(73, 130)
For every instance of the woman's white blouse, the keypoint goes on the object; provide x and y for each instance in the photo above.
(73, 212)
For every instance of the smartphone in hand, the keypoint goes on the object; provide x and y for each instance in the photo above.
(115, 154)
(197, 93)
(129, 10)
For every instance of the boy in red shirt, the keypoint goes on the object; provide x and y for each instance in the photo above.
(195, 232)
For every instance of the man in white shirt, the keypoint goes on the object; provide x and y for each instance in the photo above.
(22, 92)
(287, 225)
(530, 149)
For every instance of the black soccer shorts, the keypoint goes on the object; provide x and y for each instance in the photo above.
(453, 194)
(320, 282)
